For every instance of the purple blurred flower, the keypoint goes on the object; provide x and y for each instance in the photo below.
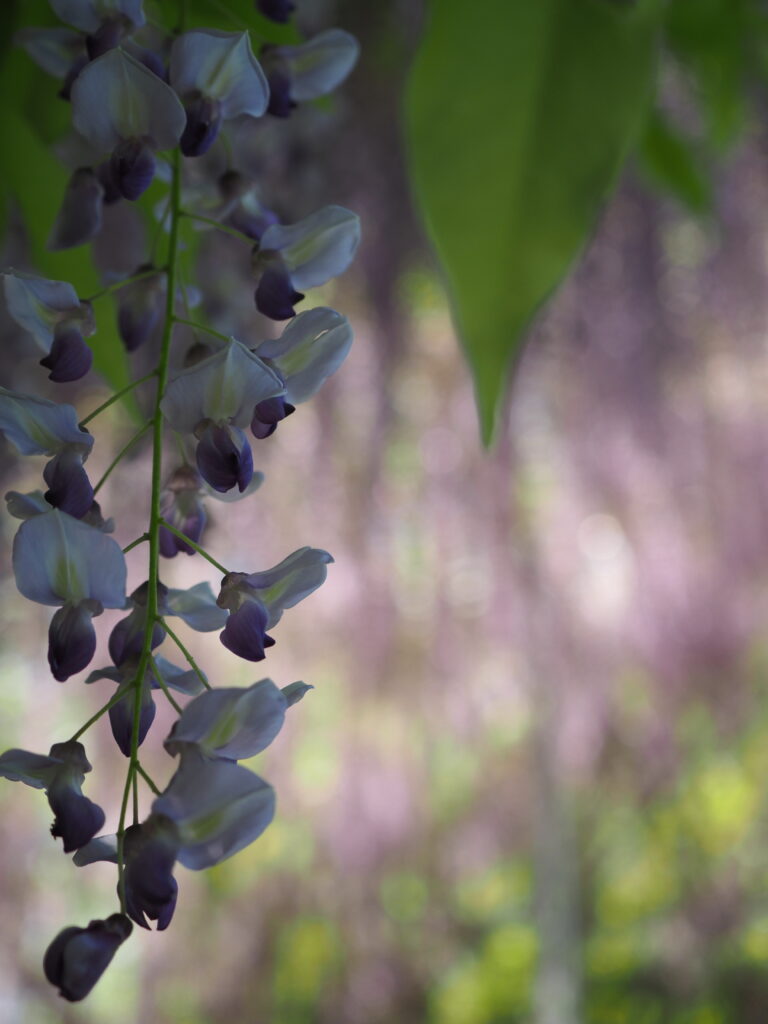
(307, 71)
(181, 506)
(80, 217)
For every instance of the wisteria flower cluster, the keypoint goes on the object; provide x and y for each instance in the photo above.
(149, 103)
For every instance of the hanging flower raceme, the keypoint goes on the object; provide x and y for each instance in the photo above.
(292, 257)
(61, 775)
(58, 321)
(217, 78)
(78, 957)
(310, 349)
(59, 560)
(313, 69)
(126, 111)
(256, 601)
(214, 400)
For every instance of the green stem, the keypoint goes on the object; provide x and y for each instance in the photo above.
(195, 547)
(154, 512)
(155, 789)
(164, 687)
(201, 327)
(192, 663)
(220, 227)
(94, 718)
(135, 543)
(135, 799)
(124, 451)
(125, 282)
(117, 396)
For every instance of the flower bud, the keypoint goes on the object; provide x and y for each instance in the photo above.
(78, 957)
(72, 639)
(150, 854)
(70, 358)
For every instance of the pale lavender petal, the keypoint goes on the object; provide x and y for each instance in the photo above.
(318, 66)
(220, 65)
(317, 248)
(310, 349)
(115, 97)
(36, 426)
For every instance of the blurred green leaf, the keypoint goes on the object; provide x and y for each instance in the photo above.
(713, 38)
(669, 159)
(518, 122)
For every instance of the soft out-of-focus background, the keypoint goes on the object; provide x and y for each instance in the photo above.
(530, 782)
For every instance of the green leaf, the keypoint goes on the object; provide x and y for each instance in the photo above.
(518, 121)
(669, 160)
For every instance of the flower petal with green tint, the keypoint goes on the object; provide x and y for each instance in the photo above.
(223, 388)
(116, 98)
(38, 305)
(36, 426)
(220, 65)
(58, 559)
(219, 808)
(196, 606)
(317, 248)
(310, 349)
(318, 66)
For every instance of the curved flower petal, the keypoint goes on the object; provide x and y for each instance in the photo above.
(294, 692)
(245, 633)
(223, 388)
(197, 607)
(235, 495)
(220, 65)
(36, 770)
(58, 559)
(71, 640)
(24, 506)
(101, 848)
(69, 488)
(88, 15)
(52, 49)
(310, 349)
(186, 681)
(283, 586)
(39, 427)
(318, 66)
(232, 723)
(70, 358)
(224, 457)
(79, 218)
(317, 248)
(219, 808)
(37, 304)
(116, 98)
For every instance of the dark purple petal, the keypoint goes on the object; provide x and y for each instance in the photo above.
(224, 458)
(150, 60)
(275, 295)
(150, 855)
(203, 123)
(268, 414)
(127, 637)
(276, 10)
(77, 819)
(78, 957)
(132, 166)
(121, 718)
(280, 102)
(68, 483)
(69, 358)
(106, 37)
(71, 640)
(78, 64)
(252, 224)
(111, 192)
(79, 218)
(245, 631)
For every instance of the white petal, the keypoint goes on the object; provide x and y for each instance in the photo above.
(59, 559)
(317, 248)
(225, 387)
(220, 65)
(310, 349)
(115, 97)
